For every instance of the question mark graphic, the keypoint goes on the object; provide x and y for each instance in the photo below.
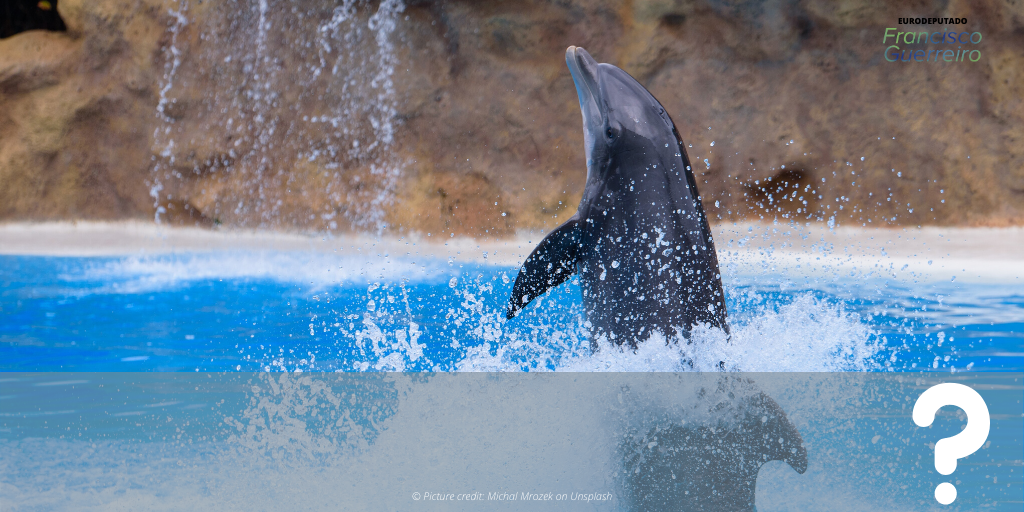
(948, 450)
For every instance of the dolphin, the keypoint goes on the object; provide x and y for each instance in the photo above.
(710, 464)
(639, 241)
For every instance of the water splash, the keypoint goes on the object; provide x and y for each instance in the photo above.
(159, 139)
(302, 419)
(367, 311)
(466, 332)
(280, 114)
(803, 335)
(145, 274)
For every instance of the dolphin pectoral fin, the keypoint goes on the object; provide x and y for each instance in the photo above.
(549, 265)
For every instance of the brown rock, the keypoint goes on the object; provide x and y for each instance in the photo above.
(455, 117)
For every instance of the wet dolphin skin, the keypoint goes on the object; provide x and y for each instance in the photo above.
(640, 240)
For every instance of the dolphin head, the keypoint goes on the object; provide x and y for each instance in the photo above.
(619, 115)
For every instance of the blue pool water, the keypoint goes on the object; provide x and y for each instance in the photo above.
(279, 311)
(159, 382)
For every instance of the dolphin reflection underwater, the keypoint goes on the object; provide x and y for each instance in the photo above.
(640, 240)
(709, 463)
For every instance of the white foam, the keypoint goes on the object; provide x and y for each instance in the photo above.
(804, 334)
(138, 274)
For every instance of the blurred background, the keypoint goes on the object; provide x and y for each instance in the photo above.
(460, 117)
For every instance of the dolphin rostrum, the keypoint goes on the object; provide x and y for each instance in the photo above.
(640, 240)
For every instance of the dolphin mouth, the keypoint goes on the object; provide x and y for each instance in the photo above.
(584, 70)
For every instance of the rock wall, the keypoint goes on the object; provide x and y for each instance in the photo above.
(459, 117)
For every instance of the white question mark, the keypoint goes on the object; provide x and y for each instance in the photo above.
(948, 450)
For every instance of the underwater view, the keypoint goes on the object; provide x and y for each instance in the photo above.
(557, 255)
